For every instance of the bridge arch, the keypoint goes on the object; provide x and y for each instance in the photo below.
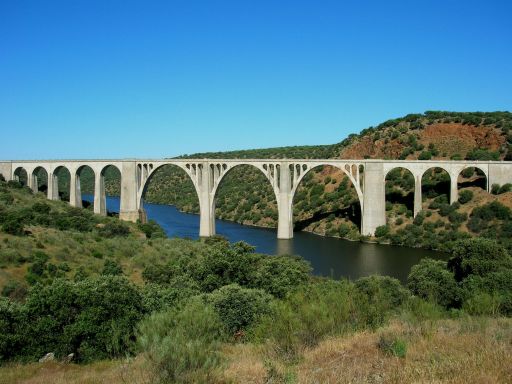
(110, 179)
(21, 175)
(40, 179)
(473, 176)
(335, 190)
(185, 187)
(85, 183)
(400, 190)
(436, 182)
(250, 202)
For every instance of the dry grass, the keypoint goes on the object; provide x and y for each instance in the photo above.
(462, 351)
(449, 351)
(132, 371)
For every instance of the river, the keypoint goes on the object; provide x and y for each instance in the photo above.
(328, 256)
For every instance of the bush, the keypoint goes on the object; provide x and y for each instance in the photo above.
(381, 231)
(112, 268)
(238, 308)
(152, 230)
(114, 229)
(478, 257)
(305, 316)
(384, 291)
(182, 345)
(465, 196)
(393, 345)
(92, 318)
(431, 280)
(425, 155)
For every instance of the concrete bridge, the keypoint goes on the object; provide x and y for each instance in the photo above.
(367, 177)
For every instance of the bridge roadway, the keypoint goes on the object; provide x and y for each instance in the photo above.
(367, 176)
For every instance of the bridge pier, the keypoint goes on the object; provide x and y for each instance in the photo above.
(75, 193)
(100, 200)
(454, 193)
(53, 186)
(205, 180)
(128, 209)
(417, 195)
(374, 199)
(284, 203)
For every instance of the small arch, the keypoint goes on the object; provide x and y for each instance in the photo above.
(435, 184)
(399, 195)
(85, 186)
(62, 178)
(21, 175)
(330, 201)
(473, 178)
(40, 175)
(111, 175)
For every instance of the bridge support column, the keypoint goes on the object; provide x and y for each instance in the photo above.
(73, 189)
(374, 199)
(454, 193)
(100, 201)
(206, 201)
(33, 183)
(128, 207)
(417, 195)
(284, 203)
(53, 186)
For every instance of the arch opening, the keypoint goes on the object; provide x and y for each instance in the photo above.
(21, 175)
(399, 196)
(326, 202)
(63, 179)
(169, 197)
(435, 188)
(40, 179)
(112, 183)
(245, 195)
(85, 185)
(473, 178)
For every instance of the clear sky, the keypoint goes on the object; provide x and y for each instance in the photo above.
(111, 79)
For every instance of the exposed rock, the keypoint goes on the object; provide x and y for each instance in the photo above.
(48, 357)
(69, 358)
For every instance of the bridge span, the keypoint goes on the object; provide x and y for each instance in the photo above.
(367, 176)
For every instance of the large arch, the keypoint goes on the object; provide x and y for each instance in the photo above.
(21, 175)
(400, 186)
(332, 186)
(180, 189)
(85, 185)
(254, 206)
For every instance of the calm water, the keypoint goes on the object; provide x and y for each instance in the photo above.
(328, 256)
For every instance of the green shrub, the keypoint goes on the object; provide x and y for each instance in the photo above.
(478, 257)
(238, 308)
(112, 267)
(431, 280)
(482, 304)
(393, 345)
(182, 345)
(114, 229)
(465, 196)
(93, 318)
(381, 231)
(152, 230)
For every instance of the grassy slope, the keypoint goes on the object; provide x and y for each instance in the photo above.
(444, 351)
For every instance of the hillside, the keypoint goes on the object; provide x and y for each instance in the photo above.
(326, 202)
(130, 305)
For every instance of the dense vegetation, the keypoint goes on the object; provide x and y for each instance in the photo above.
(78, 283)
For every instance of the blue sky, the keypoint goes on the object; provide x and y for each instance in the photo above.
(111, 79)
